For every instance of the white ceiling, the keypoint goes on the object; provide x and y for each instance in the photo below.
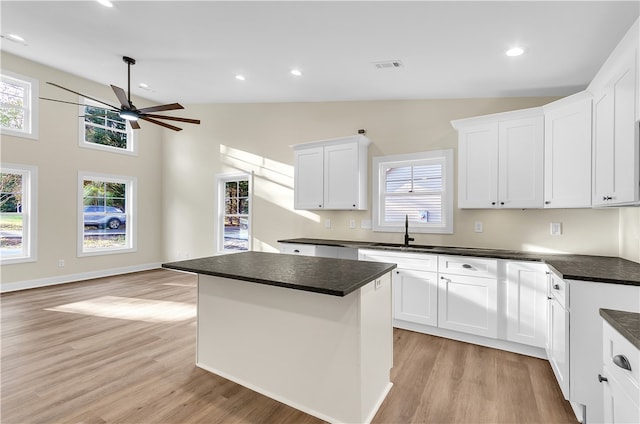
(191, 51)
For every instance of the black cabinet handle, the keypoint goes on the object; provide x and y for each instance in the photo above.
(467, 266)
(622, 362)
(556, 287)
(493, 203)
(601, 378)
(296, 251)
(607, 198)
(547, 202)
(502, 203)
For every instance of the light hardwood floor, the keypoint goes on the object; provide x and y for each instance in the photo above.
(121, 350)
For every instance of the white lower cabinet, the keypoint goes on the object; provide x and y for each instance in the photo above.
(526, 310)
(620, 383)
(468, 304)
(557, 346)
(415, 296)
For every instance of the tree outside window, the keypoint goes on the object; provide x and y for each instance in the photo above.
(17, 213)
(18, 105)
(104, 129)
(235, 219)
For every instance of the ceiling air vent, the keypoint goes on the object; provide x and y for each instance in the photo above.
(389, 64)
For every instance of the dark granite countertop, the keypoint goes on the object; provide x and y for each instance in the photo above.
(336, 277)
(626, 323)
(602, 269)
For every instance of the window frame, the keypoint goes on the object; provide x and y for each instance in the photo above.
(130, 211)
(445, 157)
(29, 210)
(32, 87)
(221, 180)
(132, 146)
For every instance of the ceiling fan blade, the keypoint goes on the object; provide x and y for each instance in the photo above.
(172, 118)
(70, 103)
(172, 106)
(83, 95)
(162, 124)
(134, 125)
(122, 96)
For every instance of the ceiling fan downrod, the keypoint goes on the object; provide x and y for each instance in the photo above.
(129, 61)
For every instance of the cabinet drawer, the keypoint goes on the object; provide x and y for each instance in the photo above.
(558, 289)
(614, 344)
(416, 261)
(298, 249)
(464, 265)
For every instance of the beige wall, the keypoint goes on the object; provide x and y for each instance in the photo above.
(176, 179)
(256, 137)
(59, 158)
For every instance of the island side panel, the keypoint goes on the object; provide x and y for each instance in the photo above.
(300, 348)
(377, 344)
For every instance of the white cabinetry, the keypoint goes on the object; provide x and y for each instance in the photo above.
(557, 345)
(585, 338)
(620, 385)
(616, 154)
(415, 285)
(468, 295)
(526, 303)
(500, 160)
(331, 174)
(567, 152)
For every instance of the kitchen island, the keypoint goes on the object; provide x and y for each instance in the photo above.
(314, 333)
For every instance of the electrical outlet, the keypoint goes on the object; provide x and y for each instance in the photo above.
(327, 223)
(352, 223)
(61, 263)
(556, 228)
(377, 284)
(478, 227)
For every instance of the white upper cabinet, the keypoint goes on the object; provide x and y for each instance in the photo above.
(567, 152)
(616, 154)
(500, 160)
(331, 174)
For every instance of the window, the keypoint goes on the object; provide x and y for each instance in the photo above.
(18, 105)
(107, 213)
(234, 216)
(418, 186)
(18, 213)
(103, 129)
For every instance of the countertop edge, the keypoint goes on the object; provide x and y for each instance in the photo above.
(613, 318)
(553, 260)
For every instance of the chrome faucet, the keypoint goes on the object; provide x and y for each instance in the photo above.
(407, 239)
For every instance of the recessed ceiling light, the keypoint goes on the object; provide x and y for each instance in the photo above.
(16, 37)
(296, 72)
(144, 86)
(514, 51)
(240, 77)
(105, 3)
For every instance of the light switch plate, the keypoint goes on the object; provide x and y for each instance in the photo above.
(352, 223)
(478, 227)
(327, 223)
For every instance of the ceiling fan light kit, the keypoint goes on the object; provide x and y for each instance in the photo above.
(128, 111)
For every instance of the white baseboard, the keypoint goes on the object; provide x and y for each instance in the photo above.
(70, 278)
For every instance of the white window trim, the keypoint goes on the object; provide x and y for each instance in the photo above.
(132, 146)
(447, 200)
(131, 211)
(30, 208)
(32, 120)
(219, 227)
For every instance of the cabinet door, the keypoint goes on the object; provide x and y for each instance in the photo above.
(308, 178)
(619, 406)
(468, 304)
(558, 345)
(341, 175)
(520, 163)
(567, 151)
(415, 296)
(527, 303)
(616, 152)
(478, 166)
